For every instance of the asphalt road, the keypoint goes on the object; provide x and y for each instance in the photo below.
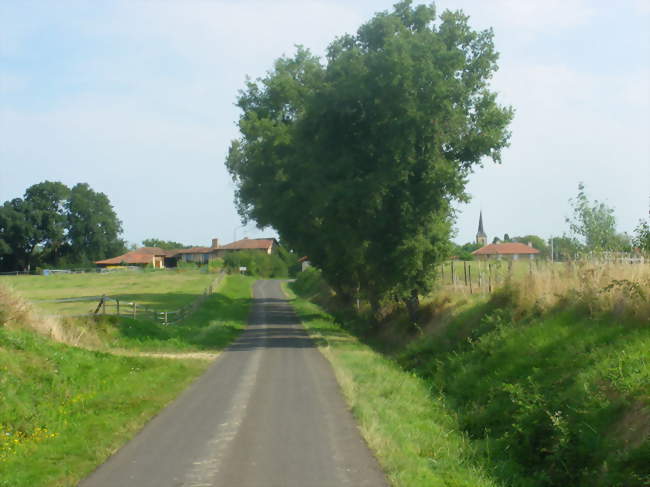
(268, 412)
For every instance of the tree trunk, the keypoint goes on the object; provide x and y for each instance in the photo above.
(413, 305)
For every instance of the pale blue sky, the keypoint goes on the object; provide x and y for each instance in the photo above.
(136, 98)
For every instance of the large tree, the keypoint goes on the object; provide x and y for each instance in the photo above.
(93, 226)
(51, 224)
(32, 228)
(356, 162)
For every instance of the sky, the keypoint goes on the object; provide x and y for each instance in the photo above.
(136, 98)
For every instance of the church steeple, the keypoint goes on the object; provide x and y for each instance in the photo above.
(481, 237)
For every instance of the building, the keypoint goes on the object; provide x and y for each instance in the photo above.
(304, 263)
(160, 259)
(198, 255)
(481, 237)
(507, 250)
(153, 256)
(266, 245)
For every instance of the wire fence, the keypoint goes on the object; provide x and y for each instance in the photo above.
(114, 306)
(484, 276)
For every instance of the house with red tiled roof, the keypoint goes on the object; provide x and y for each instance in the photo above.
(507, 250)
(266, 245)
(153, 256)
(159, 258)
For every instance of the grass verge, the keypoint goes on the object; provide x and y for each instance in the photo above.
(415, 437)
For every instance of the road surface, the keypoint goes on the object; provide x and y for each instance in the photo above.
(267, 413)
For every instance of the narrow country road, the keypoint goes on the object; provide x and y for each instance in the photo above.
(267, 413)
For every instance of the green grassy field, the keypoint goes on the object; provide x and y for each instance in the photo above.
(541, 384)
(211, 327)
(156, 289)
(64, 409)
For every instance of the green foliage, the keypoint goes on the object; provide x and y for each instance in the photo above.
(537, 242)
(595, 223)
(163, 244)
(566, 248)
(545, 395)
(93, 226)
(53, 225)
(464, 252)
(257, 263)
(642, 236)
(356, 162)
(310, 284)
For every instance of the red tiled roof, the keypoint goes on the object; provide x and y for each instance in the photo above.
(506, 248)
(143, 255)
(250, 244)
(193, 250)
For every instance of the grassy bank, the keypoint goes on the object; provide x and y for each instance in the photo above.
(65, 409)
(415, 437)
(548, 385)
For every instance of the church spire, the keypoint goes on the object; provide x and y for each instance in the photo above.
(481, 237)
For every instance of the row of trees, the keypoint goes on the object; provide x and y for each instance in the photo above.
(356, 161)
(55, 225)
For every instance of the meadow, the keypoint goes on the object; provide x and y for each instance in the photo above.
(73, 391)
(166, 289)
(543, 382)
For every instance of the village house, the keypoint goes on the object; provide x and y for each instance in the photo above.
(153, 256)
(507, 250)
(266, 245)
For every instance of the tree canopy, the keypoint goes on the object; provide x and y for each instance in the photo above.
(595, 223)
(163, 244)
(356, 161)
(53, 224)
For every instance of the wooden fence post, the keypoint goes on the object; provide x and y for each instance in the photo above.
(453, 274)
(465, 271)
(117, 307)
(469, 270)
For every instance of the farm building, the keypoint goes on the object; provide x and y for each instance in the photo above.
(153, 256)
(507, 250)
(198, 255)
(160, 259)
(266, 245)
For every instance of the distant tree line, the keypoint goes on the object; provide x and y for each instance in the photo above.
(163, 244)
(54, 225)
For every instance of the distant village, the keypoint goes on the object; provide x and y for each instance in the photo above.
(501, 250)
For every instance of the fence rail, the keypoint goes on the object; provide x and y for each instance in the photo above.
(132, 309)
